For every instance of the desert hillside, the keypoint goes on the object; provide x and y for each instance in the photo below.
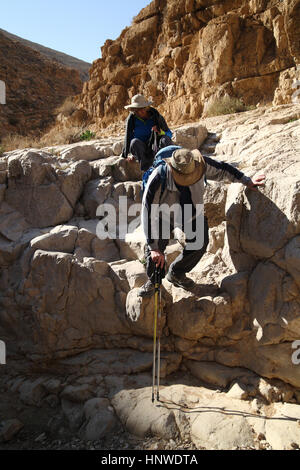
(64, 59)
(35, 87)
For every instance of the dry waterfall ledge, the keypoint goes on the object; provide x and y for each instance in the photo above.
(79, 340)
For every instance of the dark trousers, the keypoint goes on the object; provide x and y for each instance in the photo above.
(184, 262)
(140, 151)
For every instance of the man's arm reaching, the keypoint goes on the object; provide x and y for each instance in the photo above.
(222, 171)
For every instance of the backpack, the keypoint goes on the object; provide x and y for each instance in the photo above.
(159, 161)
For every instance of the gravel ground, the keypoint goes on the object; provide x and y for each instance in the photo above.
(121, 440)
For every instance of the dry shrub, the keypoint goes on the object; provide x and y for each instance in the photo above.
(225, 105)
(67, 108)
(63, 136)
(66, 135)
(16, 141)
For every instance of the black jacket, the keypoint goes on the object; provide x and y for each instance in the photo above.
(158, 119)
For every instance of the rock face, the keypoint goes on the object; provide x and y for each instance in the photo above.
(35, 87)
(184, 54)
(74, 328)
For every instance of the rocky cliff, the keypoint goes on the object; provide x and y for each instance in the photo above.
(35, 87)
(186, 53)
(78, 338)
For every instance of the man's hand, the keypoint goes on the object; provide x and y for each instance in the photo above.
(158, 258)
(258, 180)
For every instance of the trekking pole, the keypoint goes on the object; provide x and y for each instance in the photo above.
(157, 281)
(158, 345)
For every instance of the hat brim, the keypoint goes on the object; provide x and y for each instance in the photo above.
(190, 178)
(137, 106)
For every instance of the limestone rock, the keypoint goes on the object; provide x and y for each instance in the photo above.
(191, 137)
(9, 428)
(101, 420)
(32, 392)
(157, 421)
(183, 56)
(215, 374)
(214, 430)
(64, 295)
(76, 394)
(74, 414)
(69, 303)
(131, 272)
(81, 151)
(50, 193)
(207, 316)
(61, 238)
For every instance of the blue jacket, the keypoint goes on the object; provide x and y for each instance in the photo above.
(136, 128)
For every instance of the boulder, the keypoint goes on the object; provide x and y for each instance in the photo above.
(101, 420)
(9, 428)
(50, 194)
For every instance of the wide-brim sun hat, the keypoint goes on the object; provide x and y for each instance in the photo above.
(187, 166)
(138, 102)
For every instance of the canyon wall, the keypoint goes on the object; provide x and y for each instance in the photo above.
(186, 53)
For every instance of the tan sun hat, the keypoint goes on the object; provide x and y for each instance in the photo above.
(188, 166)
(138, 101)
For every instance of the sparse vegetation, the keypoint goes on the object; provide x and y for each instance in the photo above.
(87, 135)
(67, 108)
(226, 105)
(16, 141)
(68, 135)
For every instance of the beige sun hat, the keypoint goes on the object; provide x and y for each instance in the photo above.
(138, 101)
(188, 166)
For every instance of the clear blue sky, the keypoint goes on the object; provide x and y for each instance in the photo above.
(77, 27)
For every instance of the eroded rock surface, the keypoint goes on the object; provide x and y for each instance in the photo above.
(79, 339)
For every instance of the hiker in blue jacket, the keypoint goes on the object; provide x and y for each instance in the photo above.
(146, 132)
(178, 178)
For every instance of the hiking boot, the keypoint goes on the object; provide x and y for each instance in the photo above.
(182, 281)
(147, 290)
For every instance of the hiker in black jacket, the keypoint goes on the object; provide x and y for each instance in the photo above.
(146, 132)
(181, 182)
